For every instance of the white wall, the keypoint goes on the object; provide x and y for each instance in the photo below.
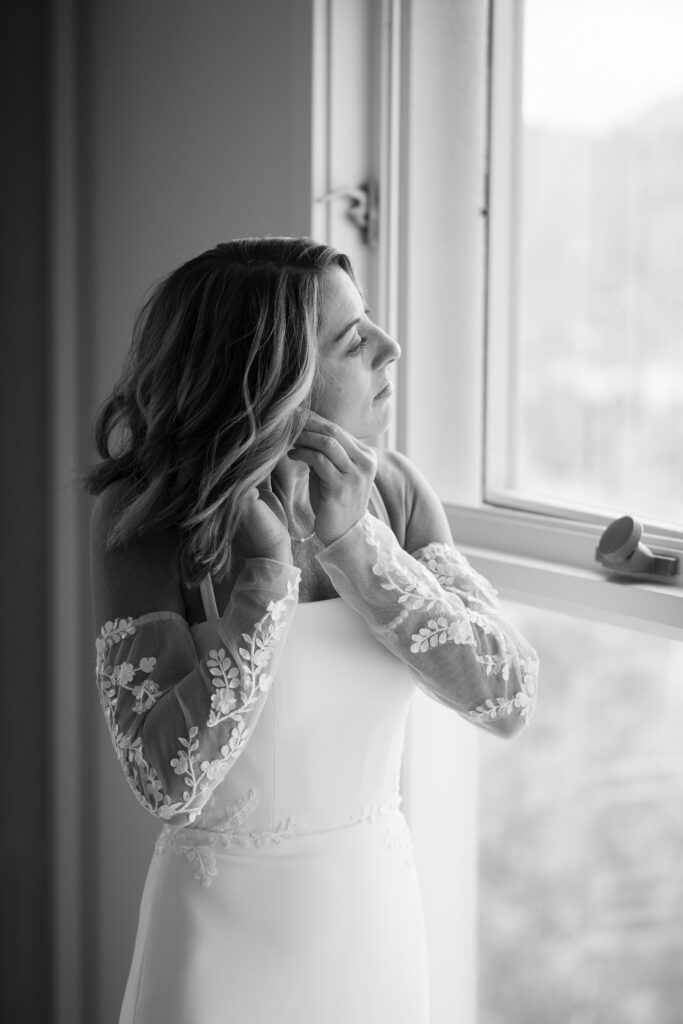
(192, 126)
(199, 131)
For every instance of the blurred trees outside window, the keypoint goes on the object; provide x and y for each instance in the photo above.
(581, 835)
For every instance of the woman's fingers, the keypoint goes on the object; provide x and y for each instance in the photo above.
(262, 529)
(322, 466)
(318, 424)
(317, 427)
(327, 446)
(270, 499)
(314, 421)
(342, 474)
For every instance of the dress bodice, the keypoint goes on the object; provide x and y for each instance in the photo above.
(184, 704)
(327, 747)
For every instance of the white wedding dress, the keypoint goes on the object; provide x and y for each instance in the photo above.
(282, 887)
(297, 899)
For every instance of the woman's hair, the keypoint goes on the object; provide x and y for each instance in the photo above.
(214, 391)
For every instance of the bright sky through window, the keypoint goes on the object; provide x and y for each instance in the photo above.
(594, 64)
(590, 415)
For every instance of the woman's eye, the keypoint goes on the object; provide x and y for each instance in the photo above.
(356, 349)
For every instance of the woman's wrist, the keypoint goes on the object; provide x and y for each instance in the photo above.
(328, 540)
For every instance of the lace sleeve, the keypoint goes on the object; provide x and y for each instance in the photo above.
(443, 619)
(179, 717)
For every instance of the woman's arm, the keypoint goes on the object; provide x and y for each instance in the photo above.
(180, 713)
(424, 602)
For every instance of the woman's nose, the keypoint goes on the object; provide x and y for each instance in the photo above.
(387, 350)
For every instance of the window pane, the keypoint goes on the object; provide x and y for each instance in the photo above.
(597, 411)
(581, 833)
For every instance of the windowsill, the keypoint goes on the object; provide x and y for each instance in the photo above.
(565, 516)
(549, 563)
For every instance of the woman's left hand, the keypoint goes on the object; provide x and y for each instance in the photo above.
(343, 471)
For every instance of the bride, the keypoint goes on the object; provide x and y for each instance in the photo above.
(271, 589)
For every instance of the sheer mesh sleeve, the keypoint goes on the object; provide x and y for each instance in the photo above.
(439, 616)
(179, 717)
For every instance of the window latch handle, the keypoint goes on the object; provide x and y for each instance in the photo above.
(363, 210)
(621, 550)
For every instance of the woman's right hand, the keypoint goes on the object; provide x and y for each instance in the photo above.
(262, 530)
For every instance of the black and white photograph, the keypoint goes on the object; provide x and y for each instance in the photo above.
(342, 460)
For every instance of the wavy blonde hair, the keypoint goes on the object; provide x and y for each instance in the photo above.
(214, 391)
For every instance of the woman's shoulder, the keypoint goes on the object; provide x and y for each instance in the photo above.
(415, 512)
(394, 480)
(106, 508)
(397, 477)
(134, 577)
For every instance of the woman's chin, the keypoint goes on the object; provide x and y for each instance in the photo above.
(365, 428)
(373, 432)
(379, 423)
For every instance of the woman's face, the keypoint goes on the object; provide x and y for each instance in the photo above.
(353, 387)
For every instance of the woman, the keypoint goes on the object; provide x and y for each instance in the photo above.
(271, 589)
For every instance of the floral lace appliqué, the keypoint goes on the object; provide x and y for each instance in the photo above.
(414, 592)
(523, 703)
(396, 832)
(451, 569)
(236, 694)
(461, 602)
(225, 829)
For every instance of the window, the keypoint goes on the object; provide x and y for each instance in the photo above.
(585, 403)
(575, 209)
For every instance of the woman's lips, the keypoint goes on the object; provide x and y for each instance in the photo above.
(386, 392)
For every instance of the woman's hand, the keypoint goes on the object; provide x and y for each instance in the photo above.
(343, 471)
(262, 530)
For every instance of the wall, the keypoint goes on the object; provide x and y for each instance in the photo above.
(191, 125)
(24, 514)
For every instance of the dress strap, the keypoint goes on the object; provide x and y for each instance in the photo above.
(208, 598)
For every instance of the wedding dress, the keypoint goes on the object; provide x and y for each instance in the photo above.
(269, 741)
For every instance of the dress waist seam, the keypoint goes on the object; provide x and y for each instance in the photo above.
(287, 827)
(203, 847)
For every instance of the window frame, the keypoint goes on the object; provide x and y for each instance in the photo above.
(562, 538)
(540, 555)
